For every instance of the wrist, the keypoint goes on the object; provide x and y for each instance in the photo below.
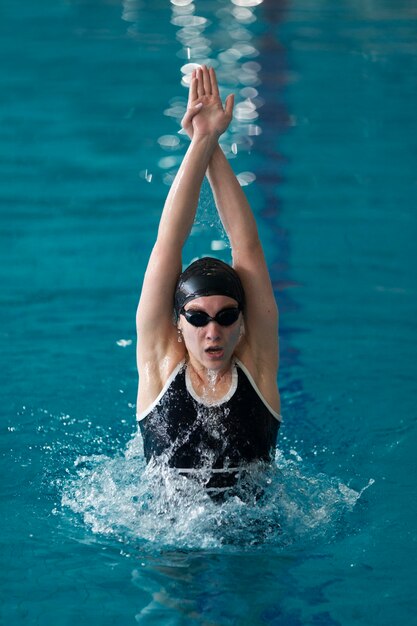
(210, 140)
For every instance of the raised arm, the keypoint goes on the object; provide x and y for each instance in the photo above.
(261, 316)
(248, 260)
(156, 333)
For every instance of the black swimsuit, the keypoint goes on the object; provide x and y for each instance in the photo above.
(192, 436)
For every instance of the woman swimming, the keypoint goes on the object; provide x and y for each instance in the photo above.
(207, 353)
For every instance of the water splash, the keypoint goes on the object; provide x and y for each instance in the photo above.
(122, 498)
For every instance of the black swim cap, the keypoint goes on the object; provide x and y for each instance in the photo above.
(208, 277)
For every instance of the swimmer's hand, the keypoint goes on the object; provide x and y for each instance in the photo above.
(205, 115)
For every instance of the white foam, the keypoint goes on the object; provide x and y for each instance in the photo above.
(121, 497)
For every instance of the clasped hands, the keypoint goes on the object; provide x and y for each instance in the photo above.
(205, 115)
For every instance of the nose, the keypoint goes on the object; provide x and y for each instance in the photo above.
(212, 331)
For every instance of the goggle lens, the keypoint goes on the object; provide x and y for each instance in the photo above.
(225, 317)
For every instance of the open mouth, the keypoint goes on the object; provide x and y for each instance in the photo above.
(214, 350)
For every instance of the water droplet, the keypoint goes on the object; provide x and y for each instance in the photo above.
(123, 343)
(146, 175)
(218, 244)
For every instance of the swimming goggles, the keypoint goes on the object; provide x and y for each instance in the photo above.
(225, 317)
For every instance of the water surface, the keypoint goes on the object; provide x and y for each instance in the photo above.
(324, 140)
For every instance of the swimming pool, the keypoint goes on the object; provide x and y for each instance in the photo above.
(91, 99)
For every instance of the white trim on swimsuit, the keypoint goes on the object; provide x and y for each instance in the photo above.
(255, 387)
(203, 470)
(140, 416)
(229, 394)
(191, 391)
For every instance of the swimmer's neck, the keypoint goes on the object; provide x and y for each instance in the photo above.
(209, 376)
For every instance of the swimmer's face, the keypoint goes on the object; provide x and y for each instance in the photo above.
(211, 345)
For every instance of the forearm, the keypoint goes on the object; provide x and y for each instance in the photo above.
(182, 200)
(232, 205)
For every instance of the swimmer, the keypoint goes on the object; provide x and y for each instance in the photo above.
(207, 352)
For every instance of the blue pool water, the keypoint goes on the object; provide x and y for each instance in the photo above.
(325, 141)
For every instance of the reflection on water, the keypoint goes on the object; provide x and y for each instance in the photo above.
(236, 69)
(232, 60)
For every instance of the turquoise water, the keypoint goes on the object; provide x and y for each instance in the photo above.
(91, 97)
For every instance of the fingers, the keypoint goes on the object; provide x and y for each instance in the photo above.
(228, 105)
(191, 112)
(213, 81)
(206, 83)
(206, 80)
(203, 83)
(192, 94)
(200, 84)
